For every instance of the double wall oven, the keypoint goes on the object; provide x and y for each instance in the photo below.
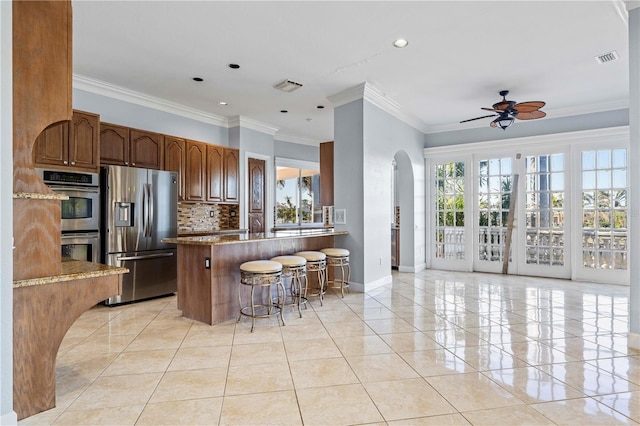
(80, 213)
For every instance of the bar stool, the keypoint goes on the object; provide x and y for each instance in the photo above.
(316, 261)
(294, 267)
(261, 274)
(338, 258)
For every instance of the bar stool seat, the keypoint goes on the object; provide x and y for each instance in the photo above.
(294, 267)
(316, 261)
(261, 274)
(338, 258)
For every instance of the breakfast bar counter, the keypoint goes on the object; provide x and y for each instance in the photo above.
(43, 311)
(209, 266)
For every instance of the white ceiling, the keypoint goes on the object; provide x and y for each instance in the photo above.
(460, 55)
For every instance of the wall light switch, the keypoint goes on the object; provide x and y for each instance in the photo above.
(207, 263)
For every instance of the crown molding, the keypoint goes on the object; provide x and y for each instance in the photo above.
(632, 4)
(297, 139)
(116, 92)
(592, 135)
(250, 123)
(378, 98)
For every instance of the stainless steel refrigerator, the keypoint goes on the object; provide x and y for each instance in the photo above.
(139, 209)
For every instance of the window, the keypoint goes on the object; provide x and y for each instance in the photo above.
(297, 193)
(449, 210)
(604, 209)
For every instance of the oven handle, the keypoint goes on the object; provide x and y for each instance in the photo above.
(149, 256)
(92, 236)
(75, 188)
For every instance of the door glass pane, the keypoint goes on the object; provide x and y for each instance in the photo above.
(544, 244)
(449, 210)
(494, 199)
(604, 209)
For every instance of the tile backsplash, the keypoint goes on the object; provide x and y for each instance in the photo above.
(207, 217)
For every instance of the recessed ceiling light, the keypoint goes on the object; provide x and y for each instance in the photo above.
(284, 111)
(234, 66)
(320, 106)
(400, 43)
(197, 79)
(223, 103)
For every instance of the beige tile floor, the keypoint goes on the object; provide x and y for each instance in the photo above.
(432, 348)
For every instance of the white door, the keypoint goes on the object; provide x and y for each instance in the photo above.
(603, 211)
(544, 212)
(449, 242)
(494, 179)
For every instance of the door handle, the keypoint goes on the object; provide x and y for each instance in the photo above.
(152, 208)
(149, 256)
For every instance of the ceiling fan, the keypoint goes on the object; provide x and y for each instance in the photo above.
(506, 111)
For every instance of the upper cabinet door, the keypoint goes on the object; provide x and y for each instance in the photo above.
(196, 168)
(114, 144)
(215, 165)
(83, 141)
(174, 160)
(147, 149)
(51, 146)
(231, 175)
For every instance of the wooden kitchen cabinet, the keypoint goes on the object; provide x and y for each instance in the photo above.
(195, 171)
(114, 144)
(174, 161)
(123, 146)
(73, 144)
(215, 173)
(231, 175)
(147, 149)
(222, 174)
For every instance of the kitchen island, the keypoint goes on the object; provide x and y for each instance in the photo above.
(209, 266)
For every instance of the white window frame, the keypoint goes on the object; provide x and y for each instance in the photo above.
(296, 164)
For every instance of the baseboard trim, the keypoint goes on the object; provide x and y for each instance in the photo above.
(633, 340)
(413, 269)
(10, 418)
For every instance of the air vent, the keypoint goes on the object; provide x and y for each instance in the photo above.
(607, 57)
(288, 86)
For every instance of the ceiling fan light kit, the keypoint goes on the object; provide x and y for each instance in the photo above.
(507, 111)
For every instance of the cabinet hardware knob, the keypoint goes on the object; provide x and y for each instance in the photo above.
(126, 163)
(73, 163)
(65, 162)
(133, 164)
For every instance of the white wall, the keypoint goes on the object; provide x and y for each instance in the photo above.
(366, 139)
(385, 136)
(296, 151)
(348, 184)
(127, 114)
(7, 415)
(634, 154)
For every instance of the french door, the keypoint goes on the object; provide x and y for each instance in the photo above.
(565, 202)
(536, 181)
(603, 214)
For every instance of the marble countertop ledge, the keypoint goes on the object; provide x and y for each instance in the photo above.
(39, 196)
(74, 270)
(214, 240)
(203, 232)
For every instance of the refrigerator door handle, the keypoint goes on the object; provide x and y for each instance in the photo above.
(145, 212)
(149, 256)
(152, 209)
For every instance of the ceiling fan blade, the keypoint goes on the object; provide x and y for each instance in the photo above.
(478, 118)
(530, 115)
(529, 106)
